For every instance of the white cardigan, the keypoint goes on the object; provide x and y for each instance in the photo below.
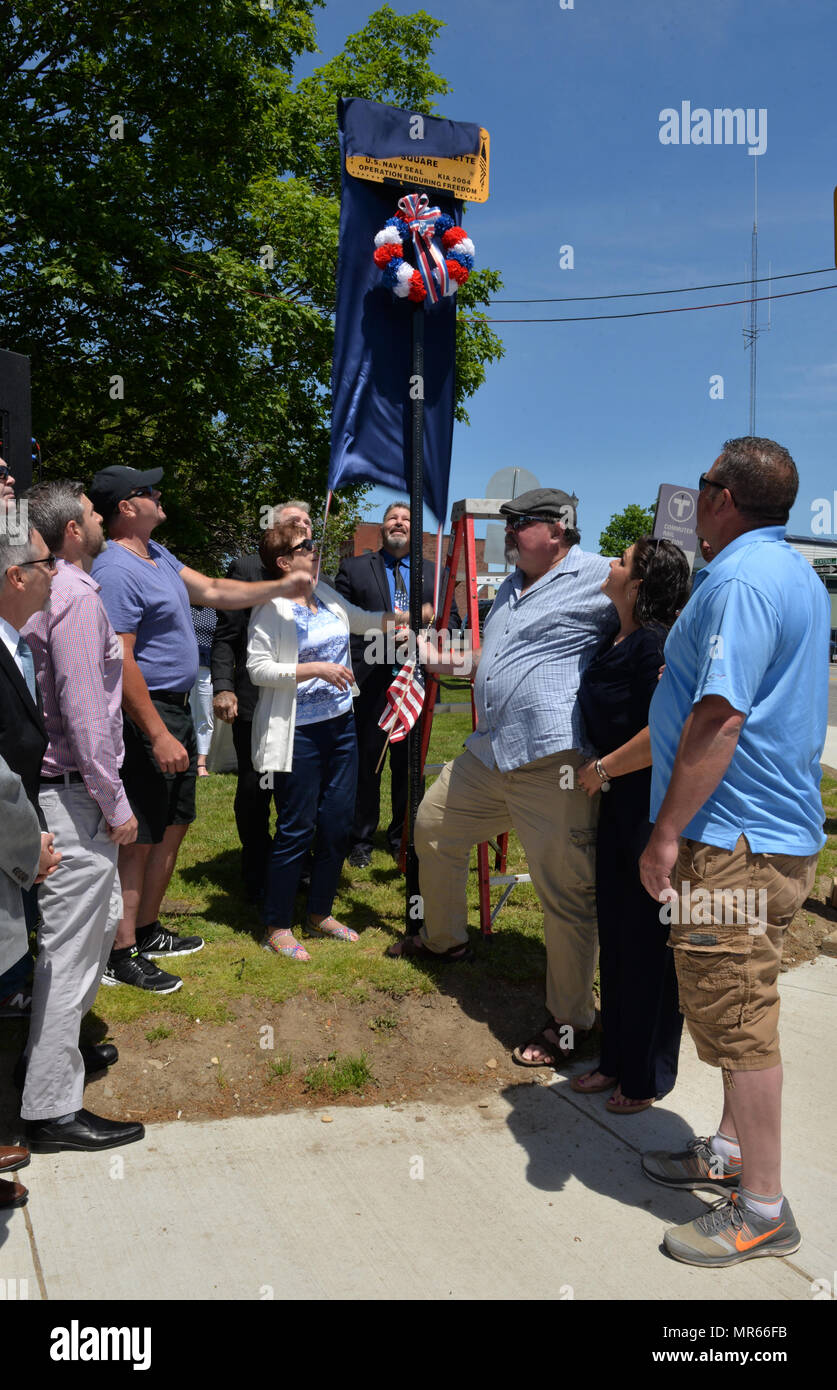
(272, 656)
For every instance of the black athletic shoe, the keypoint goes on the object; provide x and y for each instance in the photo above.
(155, 941)
(139, 971)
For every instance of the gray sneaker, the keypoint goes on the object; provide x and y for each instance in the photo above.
(730, 1233)
(696, 1168)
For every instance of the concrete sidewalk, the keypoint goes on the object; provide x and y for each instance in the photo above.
(534, 1193)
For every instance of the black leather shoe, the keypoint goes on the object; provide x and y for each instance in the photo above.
(86, 1131)
(98, 1056)
(360, 857)
(95, 1058)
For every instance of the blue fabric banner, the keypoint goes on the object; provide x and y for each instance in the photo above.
(370, 379)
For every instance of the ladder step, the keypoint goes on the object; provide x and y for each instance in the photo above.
(457, 707)
(497, 879)
(432, 768)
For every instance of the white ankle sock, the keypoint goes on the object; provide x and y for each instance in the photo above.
(766, 1207)
(725, 1148)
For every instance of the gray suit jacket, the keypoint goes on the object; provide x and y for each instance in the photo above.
(20, 853)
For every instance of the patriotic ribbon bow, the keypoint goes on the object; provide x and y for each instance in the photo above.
(421, 221)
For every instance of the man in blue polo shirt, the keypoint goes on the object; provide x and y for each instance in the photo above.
(738, 725)
(147, 592)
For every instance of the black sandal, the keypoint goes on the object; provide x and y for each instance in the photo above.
(555, 1055)
(413, 948)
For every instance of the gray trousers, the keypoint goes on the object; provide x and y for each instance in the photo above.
(81, 905)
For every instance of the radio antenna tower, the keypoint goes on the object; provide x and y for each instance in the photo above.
(752, 331)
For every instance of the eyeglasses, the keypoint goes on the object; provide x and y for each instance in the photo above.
(514, 523)
(49, 560)
(5, 472)
(705, 481)
(307, 545)
(145, 491)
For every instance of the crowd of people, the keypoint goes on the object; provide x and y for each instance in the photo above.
(651, 740)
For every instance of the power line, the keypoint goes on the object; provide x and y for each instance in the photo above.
(685, 289)
(684, 309)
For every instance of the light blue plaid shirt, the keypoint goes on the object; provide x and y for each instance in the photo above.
(535, 647)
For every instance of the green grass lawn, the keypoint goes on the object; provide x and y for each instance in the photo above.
(233, 964)
(370, 900)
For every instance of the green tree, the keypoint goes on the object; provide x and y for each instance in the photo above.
(626, 527)
(169, 207)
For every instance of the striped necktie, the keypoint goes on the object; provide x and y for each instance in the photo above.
(24, 656)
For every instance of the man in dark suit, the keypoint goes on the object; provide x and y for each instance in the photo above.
(26, 573)
(234, 700)
(376, 580)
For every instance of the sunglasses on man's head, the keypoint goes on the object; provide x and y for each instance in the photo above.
(307, 544)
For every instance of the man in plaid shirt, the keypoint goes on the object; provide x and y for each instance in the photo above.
(78, 665)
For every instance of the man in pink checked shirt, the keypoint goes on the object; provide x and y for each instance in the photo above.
(78, 666)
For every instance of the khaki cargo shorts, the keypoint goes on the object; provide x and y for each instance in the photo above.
(726, 932)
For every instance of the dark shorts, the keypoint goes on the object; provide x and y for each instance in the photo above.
(159, 799)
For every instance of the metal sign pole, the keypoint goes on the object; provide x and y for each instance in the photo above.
(413, 914)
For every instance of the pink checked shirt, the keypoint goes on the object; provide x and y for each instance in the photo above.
(78, 666)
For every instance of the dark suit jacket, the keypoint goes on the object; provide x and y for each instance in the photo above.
(23, 735)
(364, 581)
(229, 645)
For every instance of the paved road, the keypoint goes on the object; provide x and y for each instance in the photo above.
(832, 695)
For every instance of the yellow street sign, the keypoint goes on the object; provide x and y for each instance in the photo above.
(464, 175)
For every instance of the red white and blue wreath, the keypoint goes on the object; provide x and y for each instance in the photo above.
(438, 272)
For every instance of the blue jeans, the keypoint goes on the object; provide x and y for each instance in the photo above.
(317, 800)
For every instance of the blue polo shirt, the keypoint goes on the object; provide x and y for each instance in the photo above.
(755, 631)
(151, 600)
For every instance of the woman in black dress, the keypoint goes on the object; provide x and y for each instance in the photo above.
(641, 1020)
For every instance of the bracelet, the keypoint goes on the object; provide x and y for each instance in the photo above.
(605, 780)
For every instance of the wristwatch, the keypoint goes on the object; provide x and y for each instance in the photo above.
(605, 780)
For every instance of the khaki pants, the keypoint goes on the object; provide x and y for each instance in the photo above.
(556, 825)
(726, 932)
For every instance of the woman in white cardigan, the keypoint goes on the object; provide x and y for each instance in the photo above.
(304, 734)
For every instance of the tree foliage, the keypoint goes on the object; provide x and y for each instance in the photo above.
(169, 208)
(626, 527)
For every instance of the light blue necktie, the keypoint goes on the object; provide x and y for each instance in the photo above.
(25, 659)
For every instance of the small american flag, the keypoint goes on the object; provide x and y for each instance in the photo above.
(405, 699)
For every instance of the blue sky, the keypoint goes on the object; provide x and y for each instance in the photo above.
(572, 100)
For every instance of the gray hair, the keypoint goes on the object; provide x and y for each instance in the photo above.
(391, 508)
(14, 551)
(52, 506)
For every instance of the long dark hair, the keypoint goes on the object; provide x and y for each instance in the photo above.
(665, 581)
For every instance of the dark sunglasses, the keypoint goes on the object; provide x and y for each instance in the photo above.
(514, 523)
(49, 560)
(145, 491)
(705, 481)
(307, 545)
(5, 472)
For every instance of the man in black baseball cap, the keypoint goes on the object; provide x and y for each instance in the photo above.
(117, 483)
(147, 591)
